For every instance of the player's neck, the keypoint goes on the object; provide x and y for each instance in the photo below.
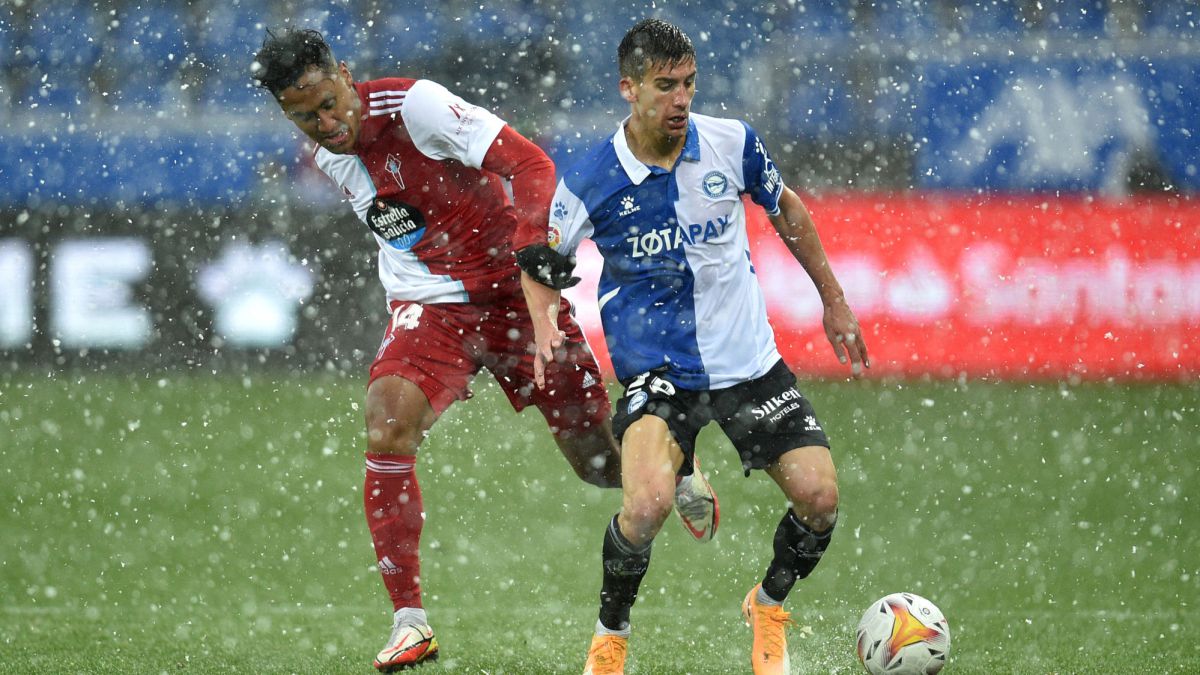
(652, 147)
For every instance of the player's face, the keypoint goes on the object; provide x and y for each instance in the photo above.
(663, 98)
(325, 107)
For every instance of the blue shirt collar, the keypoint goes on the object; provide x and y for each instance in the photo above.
(635, 168)
(691, 144)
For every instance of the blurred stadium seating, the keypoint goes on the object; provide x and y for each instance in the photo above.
(1172, 18)
(1082, 18)
(223, 37)
(146, 48)
(94, 92)
(56, 54)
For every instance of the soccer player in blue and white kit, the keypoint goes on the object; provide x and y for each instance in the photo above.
(687, 327)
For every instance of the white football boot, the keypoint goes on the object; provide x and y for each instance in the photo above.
(696, 504)
(408, 646)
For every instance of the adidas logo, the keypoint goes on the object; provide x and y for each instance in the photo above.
(588, 380)
(388, 567)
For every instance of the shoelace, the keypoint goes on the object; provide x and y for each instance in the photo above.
(694, 507)
(611, 653)
(395, 634)
(396, 630)
(774, 635)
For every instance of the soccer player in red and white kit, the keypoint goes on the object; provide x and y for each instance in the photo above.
(427, 172)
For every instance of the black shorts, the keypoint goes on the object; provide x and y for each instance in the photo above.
(764, 417)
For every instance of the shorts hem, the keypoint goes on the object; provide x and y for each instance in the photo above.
(439, 396)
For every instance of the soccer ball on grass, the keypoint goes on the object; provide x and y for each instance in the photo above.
(903, 634)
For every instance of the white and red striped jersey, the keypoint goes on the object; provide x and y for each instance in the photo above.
(444, 225)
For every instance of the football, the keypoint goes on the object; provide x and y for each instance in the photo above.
(903, 634)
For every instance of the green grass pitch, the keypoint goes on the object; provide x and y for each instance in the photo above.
(191, 524)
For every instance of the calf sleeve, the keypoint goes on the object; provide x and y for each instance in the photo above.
(797, 551)
(624, 567)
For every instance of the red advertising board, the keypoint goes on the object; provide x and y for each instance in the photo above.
(1010, 287)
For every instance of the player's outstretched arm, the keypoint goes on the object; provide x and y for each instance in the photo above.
(543, 304)
(799, 233)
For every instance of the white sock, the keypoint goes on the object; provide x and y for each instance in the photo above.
(764, 599)
(601, 629)
(410, 616)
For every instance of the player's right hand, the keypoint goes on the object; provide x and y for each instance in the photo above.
(845, 335)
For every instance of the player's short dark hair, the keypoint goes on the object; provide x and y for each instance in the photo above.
(286, 56)
(653, 42)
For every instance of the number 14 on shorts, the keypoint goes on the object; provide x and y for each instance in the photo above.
(407, 316)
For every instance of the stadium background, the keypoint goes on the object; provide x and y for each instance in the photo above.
(1007, 189)
(134, 126)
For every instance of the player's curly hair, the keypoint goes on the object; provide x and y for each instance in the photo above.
(285, 57)
(653, 42)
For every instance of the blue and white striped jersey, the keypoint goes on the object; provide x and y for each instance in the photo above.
(677, 288)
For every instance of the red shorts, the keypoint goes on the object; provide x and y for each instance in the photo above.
(441, 347)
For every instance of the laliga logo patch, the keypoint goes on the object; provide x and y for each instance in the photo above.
(715, 183)
(637, 401)
(397, 223)
(554, 236)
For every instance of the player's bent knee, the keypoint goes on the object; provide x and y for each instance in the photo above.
(593, 455)
(393, 437)
(825, 501)
(817, 501)
(596, 470)
(596, 473)
(398, 416)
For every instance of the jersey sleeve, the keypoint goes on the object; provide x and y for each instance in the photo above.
(759, 173)
(443, 126)
(569, 221)
(531, 178)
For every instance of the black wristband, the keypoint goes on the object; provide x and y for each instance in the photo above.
(547, 266)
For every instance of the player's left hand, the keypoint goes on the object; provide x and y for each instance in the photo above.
(547, 339)
(844, 333)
